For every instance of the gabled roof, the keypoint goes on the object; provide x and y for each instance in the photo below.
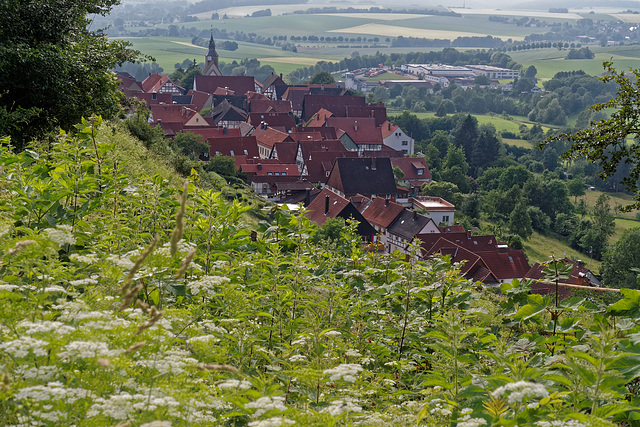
(217, 132)
(272, 119)
(410, 166)
(326, 132)
(181, 99)
(319, 163)
(387, 128)
(128, 83)
(382, 212)
(154, 82)
(267, 137)
(267, 106)
(223, 91)
(160, 98)
(273, 79)
(225, 111)
(334, 103)
(328, 204)
(166, 113)
(506, 264)
(376, 111)
(239, 101)
(286, 151)
(362, 175)
(239, 84)
(361, 130)
(408, 224)
(579, 275)
(200, 99)
(234, 147)
(456, 228)
(474, 268)
(319, 119)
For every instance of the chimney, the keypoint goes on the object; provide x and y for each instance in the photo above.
(389, 125)
(386, 201)
(373, 163)
(280, 75)
(415, 215)
(355, 125)
(326, 205)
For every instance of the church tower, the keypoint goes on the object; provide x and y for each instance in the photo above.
(211, 60)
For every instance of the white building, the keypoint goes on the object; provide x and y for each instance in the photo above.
(438, 209)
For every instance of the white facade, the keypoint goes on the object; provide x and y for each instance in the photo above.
(400, 141)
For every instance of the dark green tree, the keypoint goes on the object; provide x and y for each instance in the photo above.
(466, 134)
(54, 68)
(603, 220)
(618, 261)
(485, 151)
(604, 141)
(190, 144)
(576, 188)
(322, 77)
(520, 221)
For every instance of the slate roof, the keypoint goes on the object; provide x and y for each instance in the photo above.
(365, 176)
(408, 224)
(239, 101)
(239, 84)
(273, 79)
(226, 111)
(382, 212)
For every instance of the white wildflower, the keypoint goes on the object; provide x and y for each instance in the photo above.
(157, 424)
(266, 404)
(107, 325)
(84, 259)
(174, 361)
(86, 281)
(467, 421)
(24, 346)
(439, 408)
(559, 423)
(43, 326)
(272, 422)
(8, 288)
(62, 235)
(297, 358)
(333, 334)
(235, 384)
(121, 261)
(367, 360)
(352, 353)
(211, 327)
(204, 338)
(54, 288)
(375, 419)
(86, 350)
(52, 391)
(338, 407)
(346, 371)
(207, 284)
(519, 390)
(273, 368)
(184, 247)
(41, 373)
(300, 341)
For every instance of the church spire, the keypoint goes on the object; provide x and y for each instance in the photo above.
(212, 55)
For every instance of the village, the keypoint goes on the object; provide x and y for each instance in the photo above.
(321, 147)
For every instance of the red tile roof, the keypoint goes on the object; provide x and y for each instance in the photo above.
(387, 128)
(269, 136)
(337, 104)
(382, 212)
(319, 119)
(410, 166)
(239, 84)
(160, 98)
(377, 111)
(217, 132)
(199, 98)
(223, 91)
(267, 105)
(270, 169)
(361, 130)
(579, 276)
(316, 209)
(272, 119)
(286, 151)
(234, 146)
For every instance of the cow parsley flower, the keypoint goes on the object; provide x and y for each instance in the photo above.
(519, 390)
(272, 422)
(266, 404)
(24, 346)
(346, 371)
(86, 350)
(62, 235)
(157, 424)
(235, 384)
(338, 407)
(297, 358)
(207, 284)
(43, 326)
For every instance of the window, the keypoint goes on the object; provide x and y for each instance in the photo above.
(277, 173)
(420, 171)
(405, 142)
(445, 218)
(246, 152)
(269, 173)
(232, 153)
(284, 173)
(154, 95)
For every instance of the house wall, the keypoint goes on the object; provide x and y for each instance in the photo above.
(400, 141)
(439, 217)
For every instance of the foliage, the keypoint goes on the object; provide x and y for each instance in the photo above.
(322, 77)
(127, 300)
(621, 260)
(604, 142)
(54, 67)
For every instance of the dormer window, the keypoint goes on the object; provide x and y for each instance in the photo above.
(420, 171)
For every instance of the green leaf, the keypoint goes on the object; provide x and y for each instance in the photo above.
(628, 306)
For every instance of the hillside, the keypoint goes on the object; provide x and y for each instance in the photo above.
(126, 300)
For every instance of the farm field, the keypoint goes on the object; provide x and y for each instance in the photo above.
(540, 247)
(388, 76)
